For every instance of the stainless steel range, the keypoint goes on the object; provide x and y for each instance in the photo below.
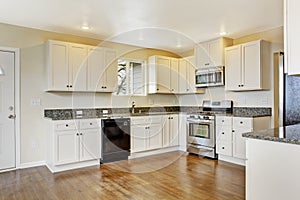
(201, 128)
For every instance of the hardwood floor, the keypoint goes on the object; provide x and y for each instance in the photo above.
(167, 176)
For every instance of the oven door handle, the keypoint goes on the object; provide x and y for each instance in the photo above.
(206, 122)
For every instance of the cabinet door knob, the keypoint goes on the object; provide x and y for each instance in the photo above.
(77, 134)
(241, 122)
(222, 120)
(80, 133)
(206, 64)
(70, 86)
(67, 125)
(223, 133)
(223, 147)
(233, 131)
(67, 86)
(157, 89)
(91, 124)
(239, 85)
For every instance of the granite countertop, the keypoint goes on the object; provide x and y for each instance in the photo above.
(287, 134)
(250, 115)
(67, 114)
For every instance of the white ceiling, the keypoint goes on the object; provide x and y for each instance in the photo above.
(174, 25)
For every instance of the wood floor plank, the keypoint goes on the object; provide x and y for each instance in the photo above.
(174, 175)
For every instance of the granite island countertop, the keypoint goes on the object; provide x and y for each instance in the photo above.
(286, 134)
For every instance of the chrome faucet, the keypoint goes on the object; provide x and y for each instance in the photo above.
(132, 107)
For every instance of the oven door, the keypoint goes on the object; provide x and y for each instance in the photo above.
(201, 132)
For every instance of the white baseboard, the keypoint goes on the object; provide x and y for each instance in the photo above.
(233, 160)
(77, 165)
(154, 152)
(32, 164)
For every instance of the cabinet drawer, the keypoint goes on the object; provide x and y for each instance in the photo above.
(139, 120)
(223, 121)
(65, 125)
(240, 123)
(90, 124)
(155, 119)
(224, 133)
(224, 148)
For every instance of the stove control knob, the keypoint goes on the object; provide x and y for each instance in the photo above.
(206, 117)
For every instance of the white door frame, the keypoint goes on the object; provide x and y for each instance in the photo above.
(16, 51)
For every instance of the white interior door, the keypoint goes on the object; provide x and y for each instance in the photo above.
(7, 111)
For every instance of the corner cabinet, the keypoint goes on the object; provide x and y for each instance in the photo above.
(291, 36)
(163, 72)
(186, 77)
(170, 130)
(78, 67)
(211, 53)
(247, 66)
(74, 143)
(230, 145)
(170, 75)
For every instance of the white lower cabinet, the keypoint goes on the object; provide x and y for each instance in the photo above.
(230, 145)
(65, 147)
(72, 142)
(146, 133)
(170, 130)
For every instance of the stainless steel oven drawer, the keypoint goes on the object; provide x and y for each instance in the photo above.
(202, 150)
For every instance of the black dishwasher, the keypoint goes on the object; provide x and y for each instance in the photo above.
(115, 139)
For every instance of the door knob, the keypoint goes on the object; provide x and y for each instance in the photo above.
(11, 116)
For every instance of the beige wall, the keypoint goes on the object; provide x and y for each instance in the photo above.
(33, 84)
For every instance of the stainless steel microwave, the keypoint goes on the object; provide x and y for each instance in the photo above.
(210, 76)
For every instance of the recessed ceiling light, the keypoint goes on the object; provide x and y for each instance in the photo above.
(85, 27)
(223, 33)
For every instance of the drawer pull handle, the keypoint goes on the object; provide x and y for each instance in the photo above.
(223, 133)
(91, 124)
(67, 125)
(222, 120)
(223, 147)
(241, 122)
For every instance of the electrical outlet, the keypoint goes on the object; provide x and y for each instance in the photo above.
(79, 112)
(35, 102)
(264, 101)
(105, 111)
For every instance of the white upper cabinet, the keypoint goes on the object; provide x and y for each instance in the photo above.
(292, 39)
(174, 69)
(186, 76)
(233, 70)
(163, 74)
(102, 69)
(78, 67)
(211, 53)
(57, 65)
(247, 66)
